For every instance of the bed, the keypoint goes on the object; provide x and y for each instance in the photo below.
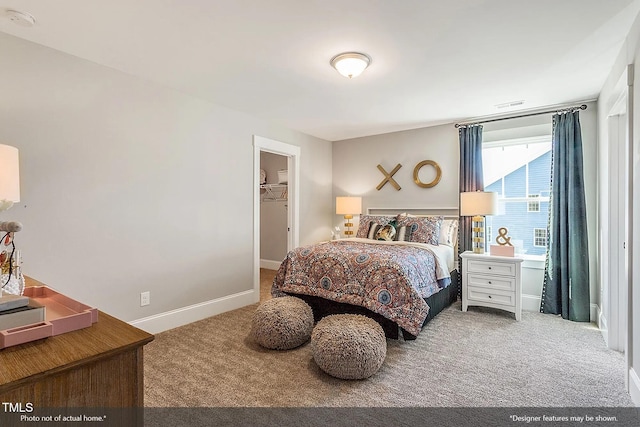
(399, 270)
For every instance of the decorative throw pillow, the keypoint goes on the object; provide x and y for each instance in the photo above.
(421, 229)
(373, 230)
(401, 233)
(386, 232)
(389, 232)
(364, 226)
(449, 232)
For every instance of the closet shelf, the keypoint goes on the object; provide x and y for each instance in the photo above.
(274, 192)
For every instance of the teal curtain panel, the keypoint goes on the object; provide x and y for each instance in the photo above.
(471, 175)
(566, 277)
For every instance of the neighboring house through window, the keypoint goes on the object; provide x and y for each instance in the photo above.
(533, 206)
(519, 170)
(540, 237)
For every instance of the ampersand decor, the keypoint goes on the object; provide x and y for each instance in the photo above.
(502, 238)
(416, 171)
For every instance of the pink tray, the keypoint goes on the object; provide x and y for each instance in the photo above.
(62, 314)
(23, 334)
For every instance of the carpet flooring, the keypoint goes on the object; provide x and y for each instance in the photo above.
(481, 358)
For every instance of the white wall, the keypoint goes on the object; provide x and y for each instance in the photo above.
(630, 54)
(128, 186)
(634, 319)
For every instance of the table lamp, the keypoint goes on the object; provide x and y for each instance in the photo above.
(9, 177)
(348, 206)
(477, 204)
(9, 194)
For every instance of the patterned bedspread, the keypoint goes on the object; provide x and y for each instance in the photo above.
(389, 278)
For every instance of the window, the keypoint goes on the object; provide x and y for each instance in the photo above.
(540, 237)
(519, 170)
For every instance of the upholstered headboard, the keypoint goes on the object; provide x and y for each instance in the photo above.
(447, 212)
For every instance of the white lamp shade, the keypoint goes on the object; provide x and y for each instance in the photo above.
(350, 64)
(348, 205)
(9, 174)
(478, 203)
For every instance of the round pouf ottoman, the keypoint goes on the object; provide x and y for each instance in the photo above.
(282, 323)
(348, 346)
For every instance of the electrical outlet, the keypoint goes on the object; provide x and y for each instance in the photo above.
(145, 298)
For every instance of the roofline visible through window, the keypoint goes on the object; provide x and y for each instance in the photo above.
(541, 139)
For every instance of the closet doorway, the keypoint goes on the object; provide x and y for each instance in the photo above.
(275, 198)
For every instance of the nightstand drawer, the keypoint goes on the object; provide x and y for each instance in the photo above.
(492, 282)
(494, 297)
(486, 266)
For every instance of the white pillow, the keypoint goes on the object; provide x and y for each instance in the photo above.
(448, 232)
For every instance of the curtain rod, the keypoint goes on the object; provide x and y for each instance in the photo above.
(562, 110)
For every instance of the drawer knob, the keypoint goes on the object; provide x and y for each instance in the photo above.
(489, 281)
(489, 267)
(489, 296)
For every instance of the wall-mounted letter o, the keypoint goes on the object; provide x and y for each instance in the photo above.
(416, 171)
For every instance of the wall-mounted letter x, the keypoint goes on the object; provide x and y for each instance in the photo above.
(388, 177)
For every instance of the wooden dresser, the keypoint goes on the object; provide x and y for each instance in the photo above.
(96, 367)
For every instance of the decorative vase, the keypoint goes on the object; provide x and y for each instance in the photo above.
(11, 277)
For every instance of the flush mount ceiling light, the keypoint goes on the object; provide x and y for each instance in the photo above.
(350, 64)
(20, 18)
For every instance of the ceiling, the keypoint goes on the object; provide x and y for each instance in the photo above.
(432, 62)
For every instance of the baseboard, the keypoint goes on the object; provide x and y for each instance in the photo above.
(181, 316)
(602, 322)
(602, 325)
(593, 313)
(634, 387)
(270, 265)
(531, 303)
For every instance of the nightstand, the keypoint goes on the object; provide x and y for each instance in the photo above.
(492, 281)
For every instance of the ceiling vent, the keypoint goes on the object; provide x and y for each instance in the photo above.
(510, 104)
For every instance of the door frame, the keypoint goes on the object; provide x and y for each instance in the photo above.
(617, 288)
(616, 280)
(292, 153)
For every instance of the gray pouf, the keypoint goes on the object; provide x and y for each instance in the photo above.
(348, 346)
(282, 323)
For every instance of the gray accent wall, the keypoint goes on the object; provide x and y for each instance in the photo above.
(355, 173)
(355, 169)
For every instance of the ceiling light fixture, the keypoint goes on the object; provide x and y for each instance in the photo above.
(20, 18)
(350, 64)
